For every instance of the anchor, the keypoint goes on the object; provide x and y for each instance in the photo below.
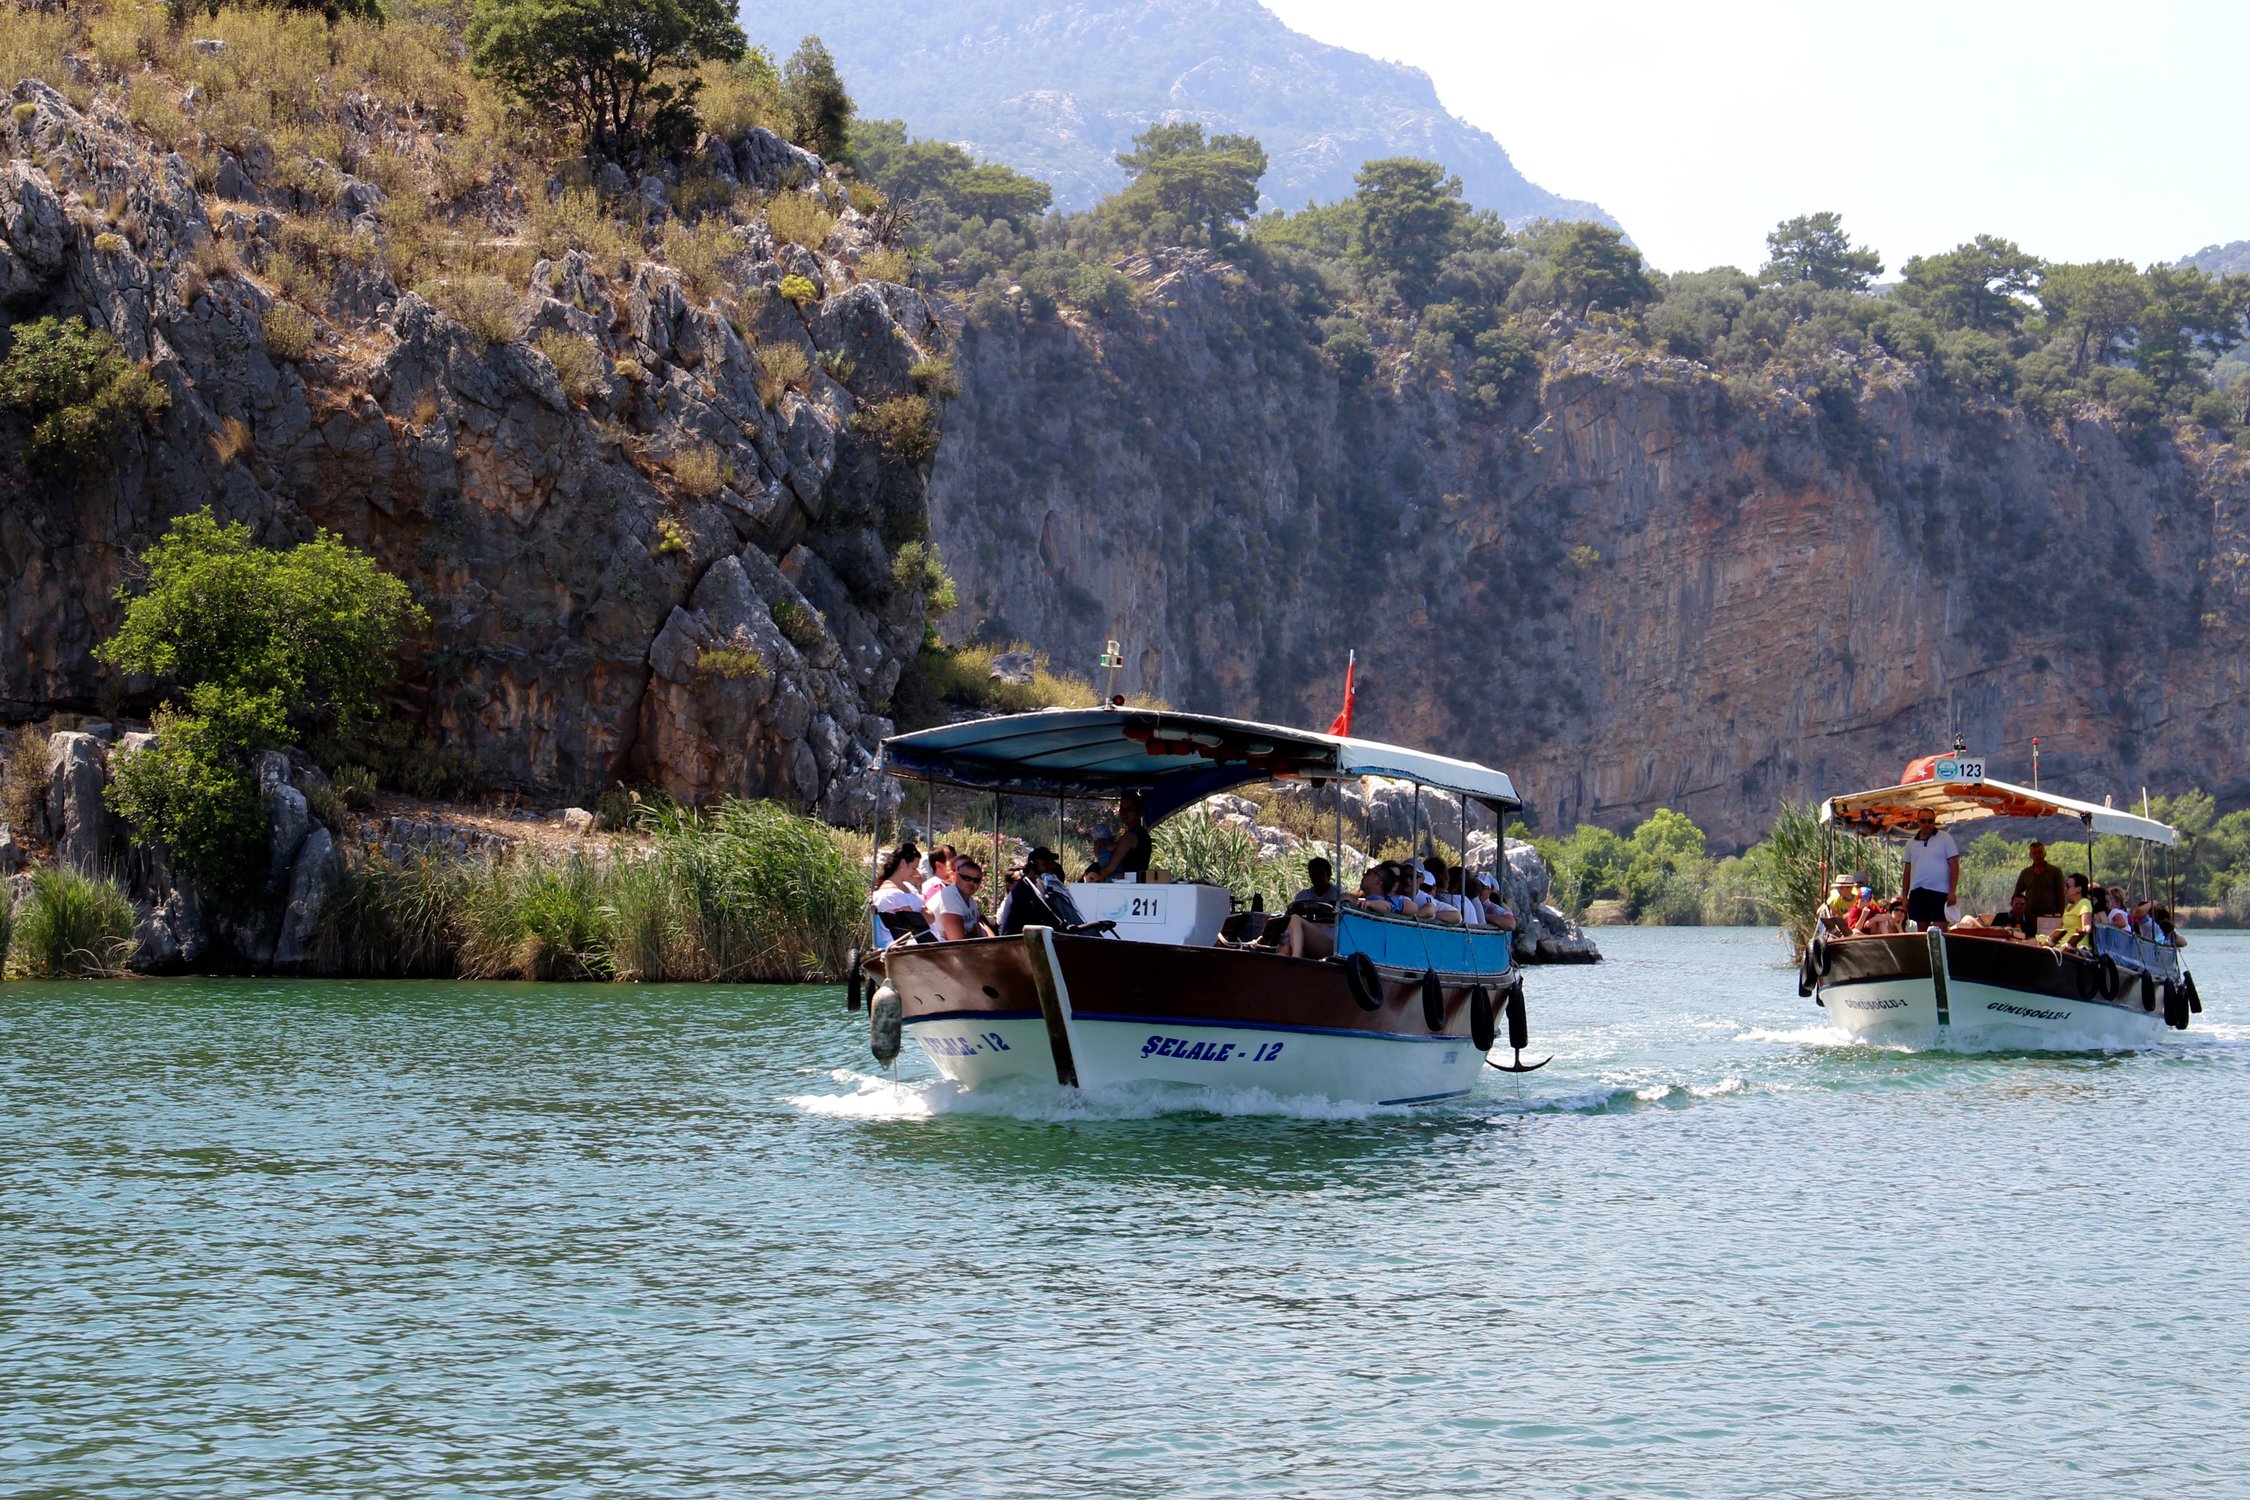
(1519, 1032)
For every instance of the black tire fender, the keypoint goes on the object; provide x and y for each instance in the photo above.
(2088, 977)
(855, 981)
(1519, 1025)
(2195, 1001)
(1366, 984)
(1433, 1000)
(1484, 1024)
(1816, 955)
(2105, 973)
(2148, 995)
(1808, 977)
(2175, 1007)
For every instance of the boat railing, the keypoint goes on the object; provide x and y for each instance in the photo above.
(2132, 951)
(1399, 943)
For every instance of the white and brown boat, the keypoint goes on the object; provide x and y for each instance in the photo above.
(1143, 989)
(1987, 987)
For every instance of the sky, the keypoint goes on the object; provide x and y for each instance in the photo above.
(2081, 131)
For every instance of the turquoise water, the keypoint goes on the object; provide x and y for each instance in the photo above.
(504, 1240)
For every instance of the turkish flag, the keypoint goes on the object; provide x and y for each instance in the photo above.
(1342, 723)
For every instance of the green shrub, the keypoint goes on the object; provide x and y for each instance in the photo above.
(108, 243)
(79, 392)
(888, 264)
(253, 645)
(700, 471)
(933, 374)
(7, 926)
(578, 364)
(576, 220)
(290, 332)
(837, 365)
(917, 568)
(799, 219)
(736, 663)
(1098, 289)
(23, 777)
(700, 253)
(798, 289)
(671, 537)
(485, 305)
(781, 367)
(73, 925)
(389, 921)
(903, 427)
(355, 784)
(799, 626)
(772, 895)
(327, 805)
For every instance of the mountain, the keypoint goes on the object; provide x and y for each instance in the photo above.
(2230, 259)
(1057, 90)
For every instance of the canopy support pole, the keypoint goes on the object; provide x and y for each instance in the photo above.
(995, 830)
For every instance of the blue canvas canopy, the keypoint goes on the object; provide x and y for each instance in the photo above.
(1170, 758)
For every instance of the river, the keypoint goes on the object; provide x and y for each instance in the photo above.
(277, 1239)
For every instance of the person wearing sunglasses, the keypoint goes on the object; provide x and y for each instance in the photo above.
(954, 913)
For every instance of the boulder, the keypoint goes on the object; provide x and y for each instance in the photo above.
(77, 818)
(311, 879)
(11, 853)
(1018, 668)
(578, 821)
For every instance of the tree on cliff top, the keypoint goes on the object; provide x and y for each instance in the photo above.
(1410, 219)
(912, 171)
(1978, 286)
(1183, 182)
(1814, 248)
(615, 70)
(820, 111)
(252, 646)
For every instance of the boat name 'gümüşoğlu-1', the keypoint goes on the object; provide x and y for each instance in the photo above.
(2052, 973)
(1377, 998)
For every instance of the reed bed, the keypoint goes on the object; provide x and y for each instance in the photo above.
(71, 926)
(746, 892)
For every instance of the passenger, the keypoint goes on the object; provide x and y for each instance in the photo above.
(954, 913)
(1093, 875)
(1864, 904)
(2039, 886)
(1378, 890)
(897, 897)
(1440, 908)
(1933, 871)
(1495, 910)
(941, 871)
(1322, 891)
(2077, 914)
(1886, 919)
(1031, 900)
(2120, 910)
(1129, 856)
(1834, 912)
(2166, 932)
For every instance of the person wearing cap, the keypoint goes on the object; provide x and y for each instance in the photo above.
(2040, 887)
(1487, 895)
(1442, 908)
(1933, 872)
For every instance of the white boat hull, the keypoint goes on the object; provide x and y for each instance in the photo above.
(1904, 1012)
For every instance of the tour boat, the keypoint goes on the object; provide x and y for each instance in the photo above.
(1983, 988)
(1145, 990)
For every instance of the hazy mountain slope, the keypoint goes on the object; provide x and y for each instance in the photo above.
(1058, 89)
(2232, 258)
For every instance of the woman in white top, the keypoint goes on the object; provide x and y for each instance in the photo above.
(953, 906)
(896, 889)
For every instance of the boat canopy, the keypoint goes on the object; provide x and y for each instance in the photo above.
(1170, 758)
(1890, 809)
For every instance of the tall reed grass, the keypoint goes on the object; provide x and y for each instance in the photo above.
(747, 892)
(72, 926)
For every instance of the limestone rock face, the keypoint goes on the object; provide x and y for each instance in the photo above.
(574, 586)
(77, 818)
(1637, 585)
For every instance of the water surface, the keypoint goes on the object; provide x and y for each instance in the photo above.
(396, 1240)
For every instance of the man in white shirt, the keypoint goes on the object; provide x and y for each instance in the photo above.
(953, 907)
(1933, 872)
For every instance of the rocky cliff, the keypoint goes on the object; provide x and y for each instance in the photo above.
(642, 568)
(1642, 584)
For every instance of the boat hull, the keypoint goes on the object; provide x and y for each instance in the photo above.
(1985, 994)
(1115, 1014)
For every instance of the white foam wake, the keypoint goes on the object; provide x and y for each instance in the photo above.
(873, 1097)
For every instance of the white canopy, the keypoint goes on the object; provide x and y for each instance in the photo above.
(1891, 809)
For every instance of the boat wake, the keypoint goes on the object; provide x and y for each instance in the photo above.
(1835, 1038)
(876, 1097)
(1625, 1098)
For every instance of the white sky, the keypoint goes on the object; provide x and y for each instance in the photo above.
(2080, 130)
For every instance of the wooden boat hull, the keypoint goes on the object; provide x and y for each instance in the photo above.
(1988, 994)
(1099, 1013)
